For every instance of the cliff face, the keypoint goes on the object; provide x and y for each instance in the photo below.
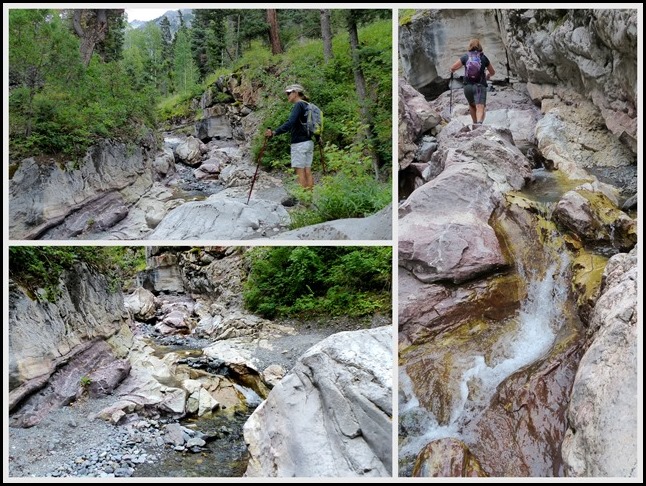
(111, 177)
(592, 52)
(43, 335)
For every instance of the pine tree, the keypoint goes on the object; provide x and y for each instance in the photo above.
(167, 56)
(208, 39)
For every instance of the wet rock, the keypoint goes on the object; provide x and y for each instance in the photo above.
(447, 458)
(587, 269)
(602, 440)
(444, 231)
(531, 407)
(339, 394)
(593, 217)
(426, 310)
(213, 127)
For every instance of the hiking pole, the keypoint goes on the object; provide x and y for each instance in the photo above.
(322, 158)
(451, 94)
(255, 174)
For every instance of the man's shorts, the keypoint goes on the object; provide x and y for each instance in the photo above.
(302, 154)
(476, 94)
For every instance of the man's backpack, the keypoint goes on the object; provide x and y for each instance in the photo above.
(473, 67)
(314, 120)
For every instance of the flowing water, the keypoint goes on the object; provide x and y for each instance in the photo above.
(538, 321)
(460, 372)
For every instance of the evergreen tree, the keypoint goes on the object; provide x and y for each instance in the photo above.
(207, 39)
(111, 49)
(167, 56)
(42, 54)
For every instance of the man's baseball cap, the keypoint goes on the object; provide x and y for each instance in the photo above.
(294, 87)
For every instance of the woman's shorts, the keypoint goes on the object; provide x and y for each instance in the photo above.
(476, 94)
(302, 154)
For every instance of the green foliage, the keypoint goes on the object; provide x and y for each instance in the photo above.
(58, 106)
(40, 267)
(331, 87)
(85, 381)
(185, 71)
(317, 281)
(340, 196)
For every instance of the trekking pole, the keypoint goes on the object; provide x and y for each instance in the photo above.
(255, 174)
(322, 158)
(451, 94)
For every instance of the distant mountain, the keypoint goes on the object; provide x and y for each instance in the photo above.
(135, 24)
(173, 18)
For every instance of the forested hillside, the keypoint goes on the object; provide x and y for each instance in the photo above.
(78, 76)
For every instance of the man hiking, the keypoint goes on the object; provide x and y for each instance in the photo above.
(302, 148)
(475, 79)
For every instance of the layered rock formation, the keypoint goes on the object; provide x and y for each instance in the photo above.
(111, 177)
(602, 414)
(52, 345)
(331, 415)
(590, 52)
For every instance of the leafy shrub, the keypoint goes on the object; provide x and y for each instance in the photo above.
(316, 281)
(40, 267)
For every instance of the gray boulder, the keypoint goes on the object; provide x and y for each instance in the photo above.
(331, 415)
(602, 438)
(375, 227)
(219, 218)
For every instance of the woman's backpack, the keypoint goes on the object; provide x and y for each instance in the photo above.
(314, 123)
(473, 67)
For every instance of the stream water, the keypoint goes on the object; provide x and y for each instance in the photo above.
(225, 455)
(465, 366)
(532, 336)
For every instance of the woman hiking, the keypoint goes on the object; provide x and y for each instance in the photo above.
(475, 79)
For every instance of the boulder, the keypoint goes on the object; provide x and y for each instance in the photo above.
(219, 218)
(331, 414)
(374, 227)
(141, 303)
(602, 435)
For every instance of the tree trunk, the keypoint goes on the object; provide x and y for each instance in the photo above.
(94, 32)
(238, 38)
(274, 31)
(360, 85)
(326, 32)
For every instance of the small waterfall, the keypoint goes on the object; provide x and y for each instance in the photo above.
(539, 319)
